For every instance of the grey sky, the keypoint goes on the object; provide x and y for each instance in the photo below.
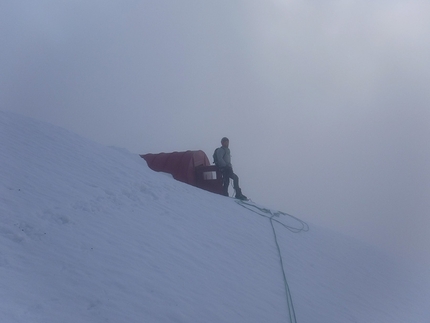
(326, 103)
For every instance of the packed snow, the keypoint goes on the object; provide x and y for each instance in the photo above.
(89, 233)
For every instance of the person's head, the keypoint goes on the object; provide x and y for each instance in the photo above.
(224, 142)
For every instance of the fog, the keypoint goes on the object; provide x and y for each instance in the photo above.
(326, 104)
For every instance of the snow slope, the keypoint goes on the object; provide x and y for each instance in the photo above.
(90, 234)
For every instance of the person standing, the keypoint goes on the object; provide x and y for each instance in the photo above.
(223, 161)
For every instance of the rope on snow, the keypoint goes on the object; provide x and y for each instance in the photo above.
(303, 227)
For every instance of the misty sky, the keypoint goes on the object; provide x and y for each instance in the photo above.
(326, 103)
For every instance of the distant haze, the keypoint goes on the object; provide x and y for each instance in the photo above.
(326, 104)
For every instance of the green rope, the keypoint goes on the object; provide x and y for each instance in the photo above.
(304, 227)
(290, 305)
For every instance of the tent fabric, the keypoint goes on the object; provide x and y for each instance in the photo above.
(181, 165)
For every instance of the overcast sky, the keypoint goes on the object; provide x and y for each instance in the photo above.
(326, 103)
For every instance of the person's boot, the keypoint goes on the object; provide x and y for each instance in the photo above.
(239, 195)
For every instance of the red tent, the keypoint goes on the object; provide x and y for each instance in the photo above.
(191, 167)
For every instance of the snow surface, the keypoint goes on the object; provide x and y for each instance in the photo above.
(89, 233)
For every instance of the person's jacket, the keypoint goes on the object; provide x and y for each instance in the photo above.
(223, 157)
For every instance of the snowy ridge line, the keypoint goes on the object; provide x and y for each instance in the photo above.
(91, 234)
(252, 206)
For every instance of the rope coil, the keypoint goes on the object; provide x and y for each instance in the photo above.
(267, 213)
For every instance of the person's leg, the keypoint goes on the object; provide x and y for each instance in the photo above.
(235, 181)
(239, 194)
(225, 180)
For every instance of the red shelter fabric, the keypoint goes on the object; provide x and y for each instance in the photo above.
(180, 164)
